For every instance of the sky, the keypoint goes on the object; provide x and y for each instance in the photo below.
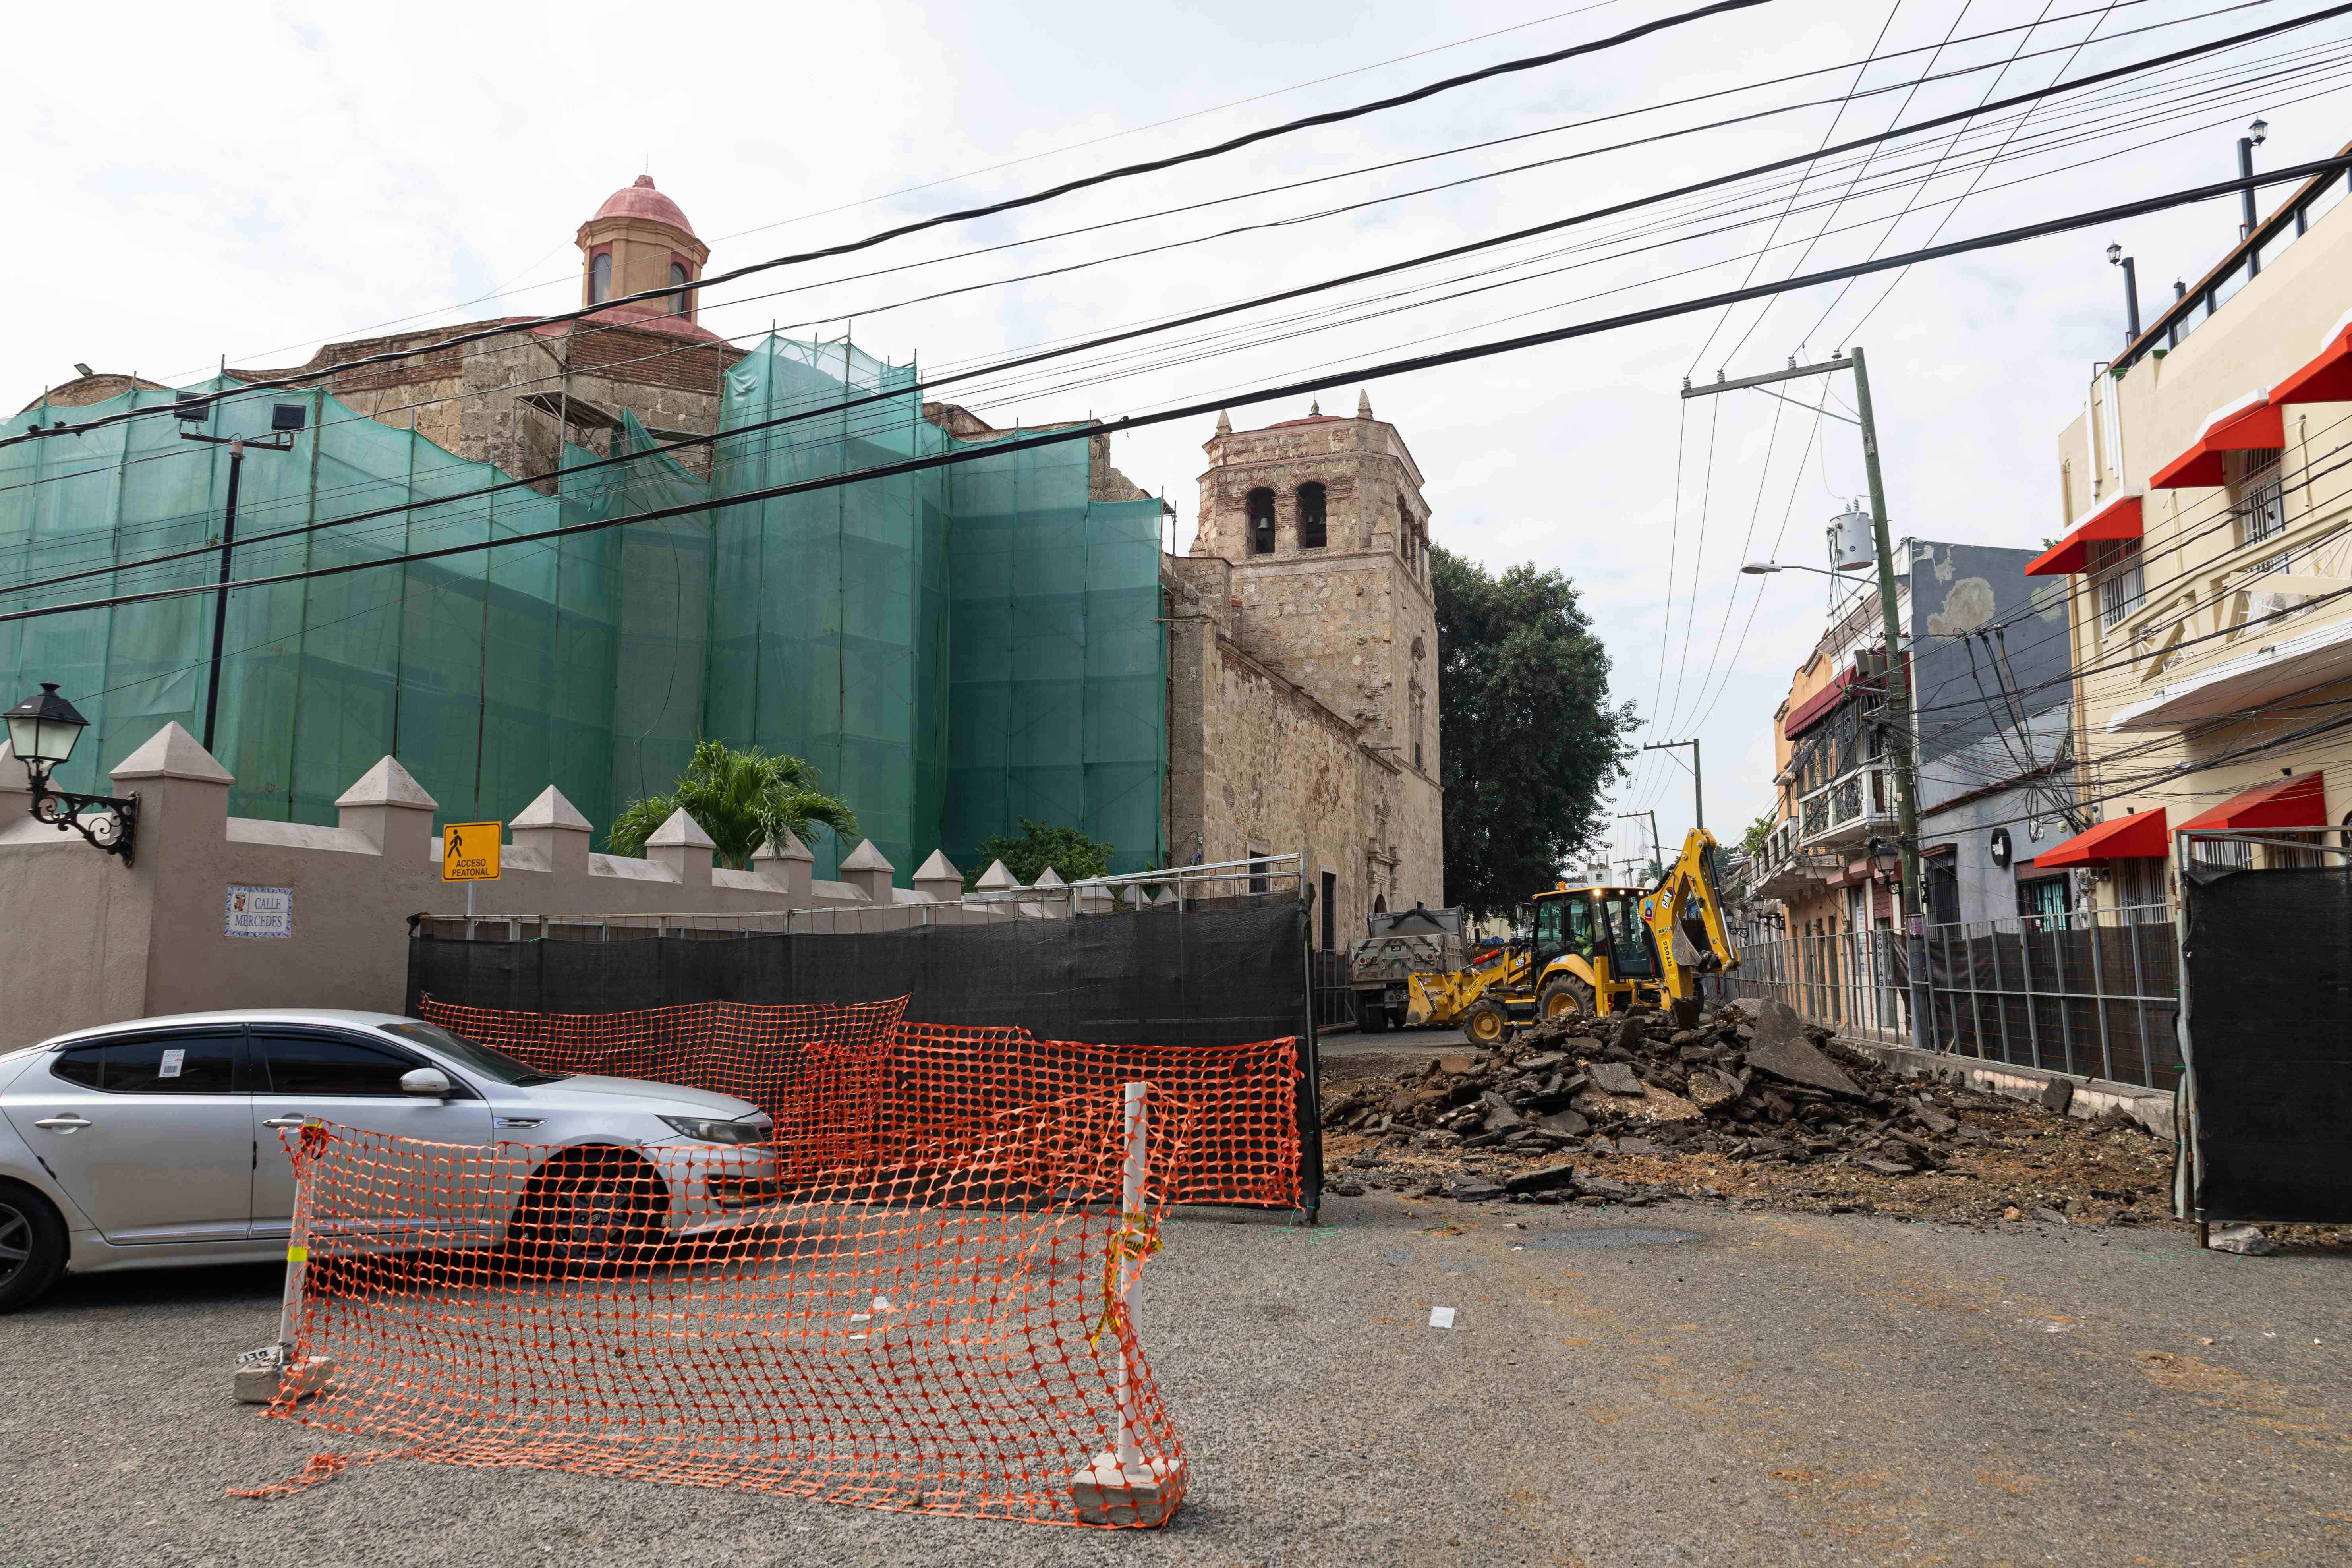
(245, 184)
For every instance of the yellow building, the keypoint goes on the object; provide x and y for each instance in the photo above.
(2206, 489)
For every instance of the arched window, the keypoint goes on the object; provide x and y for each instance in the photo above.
(600, 279)
(1260, 522)
(1311, 530)
(683, 300)
(1404, 533)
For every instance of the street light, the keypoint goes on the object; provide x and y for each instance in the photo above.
(2116, 258)
(1766, 569)
(2246, 145)
(43, 729)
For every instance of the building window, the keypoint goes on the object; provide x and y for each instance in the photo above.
(1311, 530)
(1404, 533)
(683, 300)
(2122, 588)
(2260, 499)
(1330, 910)
(600, 279)
(1260, 522)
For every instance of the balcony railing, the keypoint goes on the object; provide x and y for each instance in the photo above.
(1847, 809)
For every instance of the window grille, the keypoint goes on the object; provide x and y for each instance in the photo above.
(2262, 500)
(2122, 590)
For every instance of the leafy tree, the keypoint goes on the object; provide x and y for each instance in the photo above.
(1531, 743)
(1758, 831)
(742, 799)
(1071, 854)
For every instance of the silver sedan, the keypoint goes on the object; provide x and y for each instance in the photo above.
(156, 1143)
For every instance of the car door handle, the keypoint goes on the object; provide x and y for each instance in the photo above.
(69, 1123)
(291, 1119)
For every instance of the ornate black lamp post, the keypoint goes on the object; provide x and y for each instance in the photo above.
(43, 728)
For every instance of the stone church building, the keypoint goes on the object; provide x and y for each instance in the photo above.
(1300, 639)
(1302, 666)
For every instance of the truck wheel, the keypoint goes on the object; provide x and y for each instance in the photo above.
(1564, 996)
(1372, 1017)
(32, 1245)
(1484, 1023)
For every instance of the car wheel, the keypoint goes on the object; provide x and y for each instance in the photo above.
(32, 1245)
(590, 1212)
(1564, 996)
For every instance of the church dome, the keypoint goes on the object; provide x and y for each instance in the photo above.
(640, 200)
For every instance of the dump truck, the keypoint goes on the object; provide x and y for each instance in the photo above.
(1397, 945)
(1600, 949)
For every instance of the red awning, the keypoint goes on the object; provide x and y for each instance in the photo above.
(2119, 519)
(2328, 378)
(2142, 834)
(1816, 708)
(2249, 425)
(2298, 801)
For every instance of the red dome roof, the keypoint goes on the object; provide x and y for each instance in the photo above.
(640, 200)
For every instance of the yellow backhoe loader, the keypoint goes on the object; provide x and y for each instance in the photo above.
(1599, 949)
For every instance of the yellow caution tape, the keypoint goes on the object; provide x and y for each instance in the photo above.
(1136, 1240)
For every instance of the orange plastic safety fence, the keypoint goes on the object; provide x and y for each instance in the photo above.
(947, 1341)
(748, 1050)
(847, 1090)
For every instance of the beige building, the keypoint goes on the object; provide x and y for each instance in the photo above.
(2207, 491)
(1302, 666)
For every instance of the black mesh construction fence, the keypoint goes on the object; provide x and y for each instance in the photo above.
(1227, 975)
(2268, 1006)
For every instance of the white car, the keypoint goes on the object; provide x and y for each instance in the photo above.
(156, 1143)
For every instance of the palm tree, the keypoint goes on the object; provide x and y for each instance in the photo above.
(742, 799)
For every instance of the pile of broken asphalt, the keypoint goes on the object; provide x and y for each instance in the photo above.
(1757, 1109)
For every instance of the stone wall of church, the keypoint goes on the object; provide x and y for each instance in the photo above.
(1258, 764)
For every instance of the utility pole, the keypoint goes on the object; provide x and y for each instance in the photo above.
(1898, 672)
(285, 419)
(1657, 856)
(1698, 790)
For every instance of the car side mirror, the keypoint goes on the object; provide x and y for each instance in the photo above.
(426, 1083)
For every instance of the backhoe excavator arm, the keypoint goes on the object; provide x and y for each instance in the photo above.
(1688, 900)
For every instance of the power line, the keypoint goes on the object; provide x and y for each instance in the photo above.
(1294, 389)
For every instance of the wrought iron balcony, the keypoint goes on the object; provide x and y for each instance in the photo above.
(1847, 810)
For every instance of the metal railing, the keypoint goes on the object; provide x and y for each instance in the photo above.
(1851, 803)
(1334, 999)
(2093, 993)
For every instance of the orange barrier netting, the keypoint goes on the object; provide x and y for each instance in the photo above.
(848, 1088)
(951, 1342)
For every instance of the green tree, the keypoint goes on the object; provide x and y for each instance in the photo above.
(1531, 743)
(742, 799)
(1758, 831)
(1071, 854)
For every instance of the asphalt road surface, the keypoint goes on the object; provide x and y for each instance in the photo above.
(1773, 1389)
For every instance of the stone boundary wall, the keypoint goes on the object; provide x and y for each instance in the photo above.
(326, 910)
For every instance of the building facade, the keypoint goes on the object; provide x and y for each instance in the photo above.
(2206, 493)
(956, 650)
(1302, 666)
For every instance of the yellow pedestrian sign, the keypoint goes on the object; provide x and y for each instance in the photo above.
(469, 851)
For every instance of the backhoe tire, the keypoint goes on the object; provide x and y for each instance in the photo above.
(1564, 996)
(1486, 1025)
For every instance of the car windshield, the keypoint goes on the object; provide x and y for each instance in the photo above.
(490, 1063)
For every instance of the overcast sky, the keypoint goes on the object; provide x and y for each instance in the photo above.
(194, 182)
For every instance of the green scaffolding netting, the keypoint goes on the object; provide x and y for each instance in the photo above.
(954, 649)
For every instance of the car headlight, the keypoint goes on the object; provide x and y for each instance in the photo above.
(709, 1129)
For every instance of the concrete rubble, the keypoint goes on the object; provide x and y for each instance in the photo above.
(1747, 1105)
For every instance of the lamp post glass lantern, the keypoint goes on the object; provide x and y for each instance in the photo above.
(43, 730)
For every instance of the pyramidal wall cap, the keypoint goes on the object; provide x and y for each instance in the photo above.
(1049, 877)
(996, 876)
(791, 849)
(388, 783)
(865, 857)
(551, 810)
(938, 868)
(680, 832)
(171, 753)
